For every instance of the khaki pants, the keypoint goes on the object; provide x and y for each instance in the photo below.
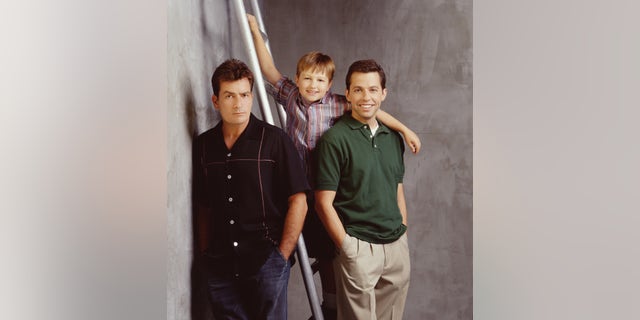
(372, 280)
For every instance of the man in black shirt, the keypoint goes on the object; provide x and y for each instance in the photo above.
(250, 193)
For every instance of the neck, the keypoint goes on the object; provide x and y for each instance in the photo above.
(372, 122)
(231, 132)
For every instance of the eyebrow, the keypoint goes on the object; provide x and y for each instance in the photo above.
(369, 87)
(317, 74)
(229, 92)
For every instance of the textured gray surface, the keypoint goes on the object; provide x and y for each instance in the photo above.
(426, 50)
(198, 40)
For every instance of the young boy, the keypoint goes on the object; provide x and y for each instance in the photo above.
(311, 110)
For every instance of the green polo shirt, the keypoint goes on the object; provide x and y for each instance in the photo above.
(365, 171)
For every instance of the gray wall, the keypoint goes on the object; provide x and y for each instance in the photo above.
(200, 36)
(426, 50)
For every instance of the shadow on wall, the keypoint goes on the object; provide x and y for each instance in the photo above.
(202, 34)
(216, 47)
(200, 309)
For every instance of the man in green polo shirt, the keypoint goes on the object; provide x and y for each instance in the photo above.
(360, 200)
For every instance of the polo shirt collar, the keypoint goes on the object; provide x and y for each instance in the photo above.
(357, 125)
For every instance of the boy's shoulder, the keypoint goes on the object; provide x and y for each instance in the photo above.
(339, 128)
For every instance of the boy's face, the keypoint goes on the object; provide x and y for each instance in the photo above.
(313, 85)
(365, 95)
(234, 102)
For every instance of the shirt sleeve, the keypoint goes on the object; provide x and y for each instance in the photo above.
(284, 90)
(198, 178)
(292, 168)
(343, 103)
(328, 164)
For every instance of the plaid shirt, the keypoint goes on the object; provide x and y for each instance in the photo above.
(307, 123)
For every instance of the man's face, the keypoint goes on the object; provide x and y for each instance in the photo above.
(313, 85)
(234, 101)
(365, 95)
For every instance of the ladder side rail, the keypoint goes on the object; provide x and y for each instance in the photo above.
(253, 61)
(266, 112)
(282, 115)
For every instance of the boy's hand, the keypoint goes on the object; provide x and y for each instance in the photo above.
(253, 23)
(412, 140)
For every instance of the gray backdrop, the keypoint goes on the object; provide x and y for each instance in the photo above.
(426, 49)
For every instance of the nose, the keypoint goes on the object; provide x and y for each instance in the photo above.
(237, 103)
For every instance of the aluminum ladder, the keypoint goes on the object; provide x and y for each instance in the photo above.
(301, 250)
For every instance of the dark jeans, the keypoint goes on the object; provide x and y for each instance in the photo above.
(259, 296)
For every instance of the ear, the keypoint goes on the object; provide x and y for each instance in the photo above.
(384, 94)
(346, 94)
(296, 79)
(214, 99)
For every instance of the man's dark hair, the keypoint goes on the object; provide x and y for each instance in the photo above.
(230, 70)
(366, 66)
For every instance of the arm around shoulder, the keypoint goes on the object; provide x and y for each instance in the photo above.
(411, 138)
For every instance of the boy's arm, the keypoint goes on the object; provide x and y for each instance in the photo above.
(268, 67)
(293, 223)
(410, 137)
(329, 216)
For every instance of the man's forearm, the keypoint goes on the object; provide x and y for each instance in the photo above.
(293, 223)
(329, 216)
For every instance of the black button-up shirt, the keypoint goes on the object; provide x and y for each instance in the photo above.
(246, 191)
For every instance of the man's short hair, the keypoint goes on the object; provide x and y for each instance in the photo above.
(230, 70)
(316, 61)
(366, 66)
